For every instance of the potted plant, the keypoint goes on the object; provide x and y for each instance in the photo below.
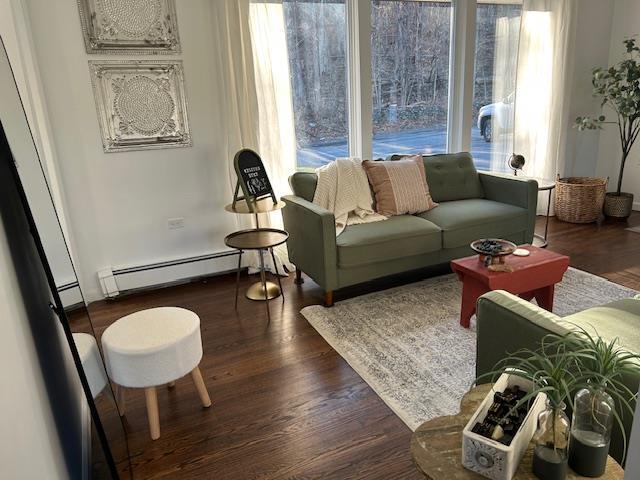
(583, 364)
(552, 371)
(619, 88)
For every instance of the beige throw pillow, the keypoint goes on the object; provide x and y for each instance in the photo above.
(400, 186)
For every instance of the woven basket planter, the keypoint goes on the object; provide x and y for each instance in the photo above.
(618, 206)
(580, 199)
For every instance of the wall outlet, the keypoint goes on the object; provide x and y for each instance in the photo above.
(175, 223)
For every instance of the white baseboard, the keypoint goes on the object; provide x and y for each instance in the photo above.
(171, 271)
(636, 206)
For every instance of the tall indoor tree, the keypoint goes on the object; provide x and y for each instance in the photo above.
(619, 88)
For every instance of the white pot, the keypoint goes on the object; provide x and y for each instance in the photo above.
(490, 458)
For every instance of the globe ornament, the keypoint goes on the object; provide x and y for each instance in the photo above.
(515, 163)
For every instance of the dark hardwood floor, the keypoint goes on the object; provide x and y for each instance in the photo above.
(285, 404)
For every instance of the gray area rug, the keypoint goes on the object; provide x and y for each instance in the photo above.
(408, 345)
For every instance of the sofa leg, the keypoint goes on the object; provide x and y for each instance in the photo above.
(328, 298)
(299, 280)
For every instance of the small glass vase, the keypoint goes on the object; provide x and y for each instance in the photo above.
(593, 417)
(551, 443)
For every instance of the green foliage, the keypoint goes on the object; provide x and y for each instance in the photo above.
(565, 364)
(551, 369)
(619, 89)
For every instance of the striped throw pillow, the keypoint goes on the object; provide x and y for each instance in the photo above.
(400, 186)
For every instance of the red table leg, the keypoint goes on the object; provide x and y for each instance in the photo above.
(527, 295)
(544, 297)
(471, 290)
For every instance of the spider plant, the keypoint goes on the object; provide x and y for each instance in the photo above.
(551, 369)
(565, 364)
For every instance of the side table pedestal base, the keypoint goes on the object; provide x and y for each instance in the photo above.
(256, 291)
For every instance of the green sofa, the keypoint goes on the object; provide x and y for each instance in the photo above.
(507, 323)
(472, 205)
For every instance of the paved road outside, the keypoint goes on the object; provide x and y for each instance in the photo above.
(429, 140)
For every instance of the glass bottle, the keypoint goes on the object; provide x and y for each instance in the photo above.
(551, 443)
(593, 416)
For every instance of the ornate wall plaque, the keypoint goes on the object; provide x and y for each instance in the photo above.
(140, 104)
(129, 26)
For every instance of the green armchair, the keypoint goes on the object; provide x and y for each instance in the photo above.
(506, 323)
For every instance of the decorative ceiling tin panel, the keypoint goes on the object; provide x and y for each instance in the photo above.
(129, 26)
(140, 104)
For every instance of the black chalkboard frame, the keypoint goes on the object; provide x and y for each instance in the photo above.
(242, 182)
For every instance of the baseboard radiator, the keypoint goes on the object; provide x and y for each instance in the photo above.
(116, 281)
(70, 295)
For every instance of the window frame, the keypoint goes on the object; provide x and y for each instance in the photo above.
(462, 50)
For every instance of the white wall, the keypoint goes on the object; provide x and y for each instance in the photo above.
(593, 30)
(28, 440)
(119, 203)
(626, 22)
(24, 151)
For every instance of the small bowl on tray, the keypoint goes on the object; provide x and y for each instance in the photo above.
(492, 251)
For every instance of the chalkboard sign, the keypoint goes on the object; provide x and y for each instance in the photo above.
(252, 177)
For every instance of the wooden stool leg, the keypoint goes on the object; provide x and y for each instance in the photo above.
(152, 412)
(201, 387)
(120, 399)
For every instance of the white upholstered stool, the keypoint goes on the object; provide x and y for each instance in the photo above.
(154, 347)
(91, 362)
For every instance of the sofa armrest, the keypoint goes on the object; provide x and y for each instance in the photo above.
(312, 240)
(521, 193)
(505, 324)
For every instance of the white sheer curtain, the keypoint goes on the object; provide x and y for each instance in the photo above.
(276, 133)
(256, 97)
(504, 83)
(542, 87)
(237, 100)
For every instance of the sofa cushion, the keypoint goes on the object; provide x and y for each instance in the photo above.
(399, 236)
(451, 176)
(303, 184)
(620, 319)
(463, 221)
(400, 187)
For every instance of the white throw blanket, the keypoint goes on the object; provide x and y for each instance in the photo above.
(343, 189)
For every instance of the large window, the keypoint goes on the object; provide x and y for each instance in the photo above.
(316, 39)
(497, 32)
(406, 77)
(410, 70)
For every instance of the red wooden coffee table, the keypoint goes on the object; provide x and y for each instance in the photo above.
(534, 276)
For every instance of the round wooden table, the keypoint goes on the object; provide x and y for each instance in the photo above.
(436, 447)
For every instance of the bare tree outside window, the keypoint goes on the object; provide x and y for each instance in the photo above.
(410, 69)
(410, 42)
(316, 39)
